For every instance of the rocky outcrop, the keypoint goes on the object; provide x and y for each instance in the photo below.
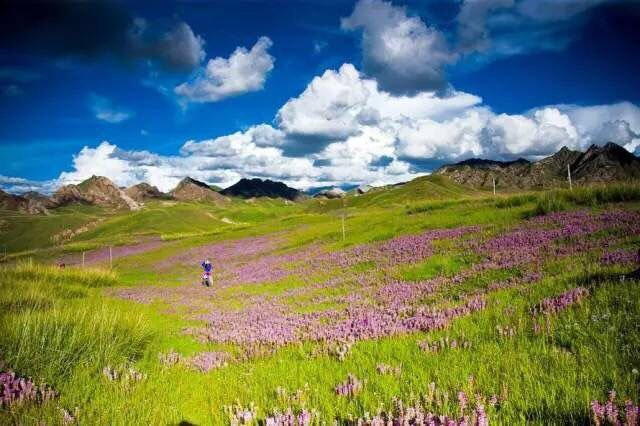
(193, 190)
(331, 193)
(252, 188)
(21, 204)
(97, 190)
(363, 189)
(144, 191)
(606, 163)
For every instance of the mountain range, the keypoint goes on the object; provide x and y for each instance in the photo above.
(598, 164)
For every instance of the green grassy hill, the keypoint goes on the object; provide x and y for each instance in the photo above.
(128, 345)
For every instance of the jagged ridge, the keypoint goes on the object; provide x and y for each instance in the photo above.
(249, 188)
(597, 164)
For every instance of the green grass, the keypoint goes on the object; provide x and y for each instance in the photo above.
(63, 326)
(436, 265)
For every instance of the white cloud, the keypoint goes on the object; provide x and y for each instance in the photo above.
(328, 107)
(443, 140)
(356, 133)
(101, 161)
(339, 104)
(542, 132)
(17, 185)
(104, 110)
(403, 53)
(589, 118)
(244, 71)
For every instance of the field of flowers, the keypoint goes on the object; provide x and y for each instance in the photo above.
(466, 313)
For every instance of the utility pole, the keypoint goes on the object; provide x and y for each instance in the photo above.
(110, 258)
(494, 186)
(569, 175)
(83, 259)
(343, 236)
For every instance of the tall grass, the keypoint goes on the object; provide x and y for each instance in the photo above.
(31, 271)
(598, 195)
(53, 322)
(53, 343)
(590, 196)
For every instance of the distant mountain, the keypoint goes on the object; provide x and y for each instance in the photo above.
(21, 204)
(317, 189)
(144, 191)
(606, 163)
(97, 190)
(250, 188)
(190, 189)
(35, 196)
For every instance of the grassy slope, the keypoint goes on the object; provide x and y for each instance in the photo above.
(60, 327)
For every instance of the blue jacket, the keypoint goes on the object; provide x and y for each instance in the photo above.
(207, 266)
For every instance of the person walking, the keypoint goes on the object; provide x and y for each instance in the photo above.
(206, 276)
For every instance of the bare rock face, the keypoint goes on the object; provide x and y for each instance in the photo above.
(608, 163)
(21, 204)
(97, 190)
(193, 190)
(144, 191)
(251, 188)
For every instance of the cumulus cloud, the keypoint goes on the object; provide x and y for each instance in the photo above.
(104, 160)
(328, 108)
(357, 133)
(244, 71)
(404, 54)
(104, 110)
(542, 132)
(339, 104)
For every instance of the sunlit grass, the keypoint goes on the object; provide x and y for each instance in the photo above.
(63, 326)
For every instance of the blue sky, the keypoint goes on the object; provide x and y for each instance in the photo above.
(220, 90)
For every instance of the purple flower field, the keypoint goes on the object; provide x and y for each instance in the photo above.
(377, 303)
(93, 257)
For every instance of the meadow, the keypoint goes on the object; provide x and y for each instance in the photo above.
(440, 305)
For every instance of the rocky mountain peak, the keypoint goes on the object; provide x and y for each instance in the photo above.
(250, 188)
(189, 189)
(144, 191)
(97, 190)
